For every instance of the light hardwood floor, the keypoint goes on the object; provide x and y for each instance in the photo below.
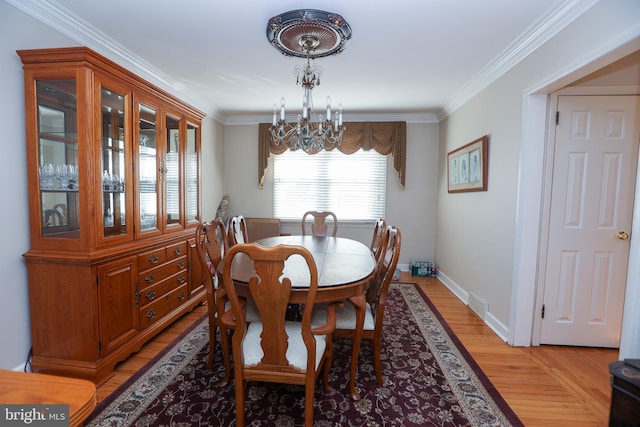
(546, 386)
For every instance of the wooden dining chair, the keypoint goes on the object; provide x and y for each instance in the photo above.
(376, 297)
(211, 245)
(237, 230)
(377, 243)
(291, 352)
(320, 227)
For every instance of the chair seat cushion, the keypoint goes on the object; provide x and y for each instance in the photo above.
(345, 316)
(251, 311)
(296, 351)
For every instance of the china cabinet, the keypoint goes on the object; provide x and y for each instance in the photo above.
(114, 198)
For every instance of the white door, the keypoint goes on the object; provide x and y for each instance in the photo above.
(594, 170)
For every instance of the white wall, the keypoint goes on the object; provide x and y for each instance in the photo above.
(478, 234)
(411, 209)
(19, 31)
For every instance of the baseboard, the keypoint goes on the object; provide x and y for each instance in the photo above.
(462, 294)
(489, 319)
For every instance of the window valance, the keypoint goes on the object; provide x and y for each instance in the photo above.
(387, 138)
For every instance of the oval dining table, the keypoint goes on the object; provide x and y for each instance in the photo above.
(345, 267)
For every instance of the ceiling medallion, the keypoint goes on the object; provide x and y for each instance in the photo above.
(330, 33)
(308, 34)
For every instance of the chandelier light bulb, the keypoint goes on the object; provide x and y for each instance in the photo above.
(282, 108)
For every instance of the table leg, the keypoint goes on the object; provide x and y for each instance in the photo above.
(359, 303)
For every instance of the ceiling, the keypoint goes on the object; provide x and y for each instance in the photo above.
(408, 57)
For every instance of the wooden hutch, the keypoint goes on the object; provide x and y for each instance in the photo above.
(114, 198)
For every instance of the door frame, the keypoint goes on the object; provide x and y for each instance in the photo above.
(532, 230)
(548, 188)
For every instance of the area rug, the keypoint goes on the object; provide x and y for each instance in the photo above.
(429, 380)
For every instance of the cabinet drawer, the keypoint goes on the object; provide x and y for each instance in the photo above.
(155, 275)
(152, 258)
(177, 250)
(157, 291)
(161, 307)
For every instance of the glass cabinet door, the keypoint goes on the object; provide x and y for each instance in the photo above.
(192, 173)
(113, 157)
(147, 168)
(172, 172)
(58, 158)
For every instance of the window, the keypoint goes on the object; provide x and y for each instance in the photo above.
(353, 186)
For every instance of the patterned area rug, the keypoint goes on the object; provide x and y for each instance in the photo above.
(429, 380)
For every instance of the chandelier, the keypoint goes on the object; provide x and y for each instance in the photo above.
(309, 34)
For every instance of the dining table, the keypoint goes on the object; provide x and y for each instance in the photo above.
(345, 268)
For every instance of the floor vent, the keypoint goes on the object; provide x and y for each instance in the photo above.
(478, 305)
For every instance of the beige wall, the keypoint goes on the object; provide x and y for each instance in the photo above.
(212, 167)
(477, 239)
(624, 72)
(412, 209)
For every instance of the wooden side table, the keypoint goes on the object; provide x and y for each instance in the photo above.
(31, 388)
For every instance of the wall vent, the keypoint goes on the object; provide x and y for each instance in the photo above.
(478, 305)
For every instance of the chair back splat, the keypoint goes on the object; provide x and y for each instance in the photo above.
(238, 230)
(275, 349)
(377, 243)
(379, 288)
(320, 226)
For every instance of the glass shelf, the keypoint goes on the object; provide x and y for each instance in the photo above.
(58, 158)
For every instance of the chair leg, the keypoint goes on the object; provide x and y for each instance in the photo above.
(213, 327)
(327, 367)
(376, 343)
(309, 400)
(226, 355)
(239, 385)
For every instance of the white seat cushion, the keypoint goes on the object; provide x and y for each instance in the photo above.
(345, 316)
(296, 352)
(251, 311)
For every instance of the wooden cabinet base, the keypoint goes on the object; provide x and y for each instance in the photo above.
(101, 370)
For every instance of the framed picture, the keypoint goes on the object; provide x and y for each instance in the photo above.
(467, 167)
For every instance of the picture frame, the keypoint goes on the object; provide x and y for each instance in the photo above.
(467, 167)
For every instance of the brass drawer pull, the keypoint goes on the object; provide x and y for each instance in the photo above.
(181, 279)
(181, 265)
(153, 259)
(177, 251)
(151, 314)
(151, 294)
(150, 278)
(181, 296)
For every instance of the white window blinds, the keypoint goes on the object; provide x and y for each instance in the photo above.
(352, 186)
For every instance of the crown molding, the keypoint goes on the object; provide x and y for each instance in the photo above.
(66, 22)
(253, 119)
(538, 34)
